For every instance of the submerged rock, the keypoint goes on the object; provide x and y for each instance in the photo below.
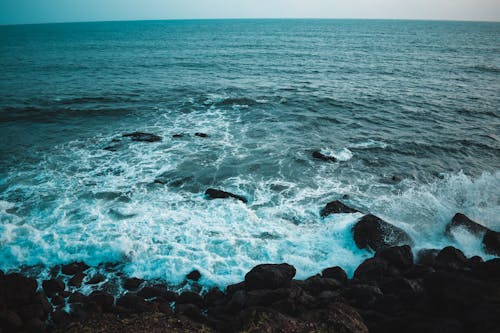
(201, 135)
(374, 233)
(218, 194)
(269, 276)
(336, 207)
(320, 156)
(143, 137)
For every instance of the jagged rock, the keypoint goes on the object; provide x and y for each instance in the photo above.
(10, 321)
(269, 276)
(316, 284)
(53, 287)
(337, 318)
(103, 299)
(218, 194)
(18, 289)
(450, 258)
(372, 269)
(400, 257)
(132, 283)
(265, 297)
(201, 135)
(214, 297)
(336, 207)
(76, 280)
(143, 137)
(374, 233)
(74, 268)
(427, 257)
(133, 303)
(190, 311)
(336, 273)
(237, 302)
(195, 275)
(189, 297)
(320, 156)
(364, 296)
(462, 221)
(491, 242)
(96, 279)
(157, 291)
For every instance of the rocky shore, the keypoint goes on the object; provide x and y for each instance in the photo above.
(394, 291)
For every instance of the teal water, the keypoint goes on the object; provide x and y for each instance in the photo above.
(409, 108)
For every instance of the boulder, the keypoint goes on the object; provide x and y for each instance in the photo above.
(189, 297)
(462, 221)
(132, 283)
(194, 275)
(336, 207)
(427, 257)
(157, 291)
(400, 257)
(10, 321)
(74, 268)
(372, 269)
(214, 297)
(336, 273)
(320, 156)
(76, 280)
(317, 284)
(371, 232)
(96, 279)
(491, 242)
(143, 137)
(104, 300)
(53, 287)
(201, 135)
(450, 258)
(269, 276)
(337, 318)
(133, 303)
(218, 194)
(18, 289)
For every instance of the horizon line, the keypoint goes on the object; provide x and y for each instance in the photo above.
(250, 18)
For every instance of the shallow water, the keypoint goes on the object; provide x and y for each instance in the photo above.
(409, 108)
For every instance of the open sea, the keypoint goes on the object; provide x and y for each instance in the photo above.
(411, 110)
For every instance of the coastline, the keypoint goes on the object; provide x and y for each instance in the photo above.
(394, 291)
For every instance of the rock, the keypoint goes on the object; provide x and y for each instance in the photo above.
(132, 283)
(76, 280)
(74, 268)
(337, 318)
(96, 279)
(53, 287)
(462, 221)
(157, 291)
(320, 156)
(10, 321)
(104, 300)
(400, 257)
(18, 289)
(336, 273)
(190, 311)
(237, 302)
(61, 317)
(402, 287)
(265, 297)
(364, 296)
(269, 276)
(189, 297)
(450, 258)
(143, 137)
(336, 207)
(427, 257)
(195, 275)
(214, 297)
(372, 269)
(201, 135)
(57, 300)
(218, 194)
(491, 242)
(374, 233)
(133, 303)
(77, 297)
(316, 284)
(177, 136)
(35, 325)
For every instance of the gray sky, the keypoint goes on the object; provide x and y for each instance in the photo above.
(41, 11)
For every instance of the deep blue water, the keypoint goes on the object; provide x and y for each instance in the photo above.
(410, 109)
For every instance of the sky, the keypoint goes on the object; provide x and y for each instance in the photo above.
(46, 11)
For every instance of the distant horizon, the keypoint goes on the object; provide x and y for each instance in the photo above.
(253, 19)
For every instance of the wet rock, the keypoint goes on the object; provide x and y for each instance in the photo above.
(265, 297)
(178, 135)
(364, 296)
(201, 135)
(57, 300)
(317, 284)
(450, 258)
(96, 279)
(30, 311)
(10, 321)
(195, 275)
(189, 297)
(35, 325)
(76, 280)
(77, 297)
(402, 287)
(374, 233)
(400, 257)
(53, 287)
(102, 299)
(462, 221)
(338, 317)
(74, 268)
(61, 317)
(336, 207)
(157, 291)
(218, 194)
(18, 289)
(132, 283)
(143, 137)
(190, 311)
(236, 302)
(427, 257)
(336, 273)
(320, 156)
(214, 297)
(269, 276)
(491, 242)
(372, 269)
(232, 288)
(133, 303)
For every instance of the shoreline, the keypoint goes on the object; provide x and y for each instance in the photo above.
(437, 290)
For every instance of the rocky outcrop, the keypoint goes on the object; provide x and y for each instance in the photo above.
(142, 137)
(320, 156)
(269, 276)
(371, 232)
(218, 194)
(336, 207)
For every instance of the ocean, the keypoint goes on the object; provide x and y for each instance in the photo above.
(410, 110)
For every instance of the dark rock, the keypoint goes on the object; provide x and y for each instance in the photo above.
(265, 297)
(77, 297)
(177, 136)
(491, 242)
(41, 299)
(336, 207)
(96, 279)
(53, 287)
(201, 135)
(157, 291)
(462, 221)
(102, 299)
(189, 297)
(74, 268)
(373, 232)
(402, 287)
(418, 271)
(218, 194)
(143, 137)
(214, 297)
(372, 269)
(57, 300)
(132, 283)
(400, 257)
(269, 276)
(133, 303)
(338, 317)
(18, 289)
(320, 156)
(76, 280)
(30, 311)
(364, 296)
(190, 311)
(427, 257)
(10, 321)
(489, 270)
(195, 275)
(317, 284)
(61, 317)
(450, 258)
(232, 288)
(336, 273)
(35, 325)
(236, 302)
